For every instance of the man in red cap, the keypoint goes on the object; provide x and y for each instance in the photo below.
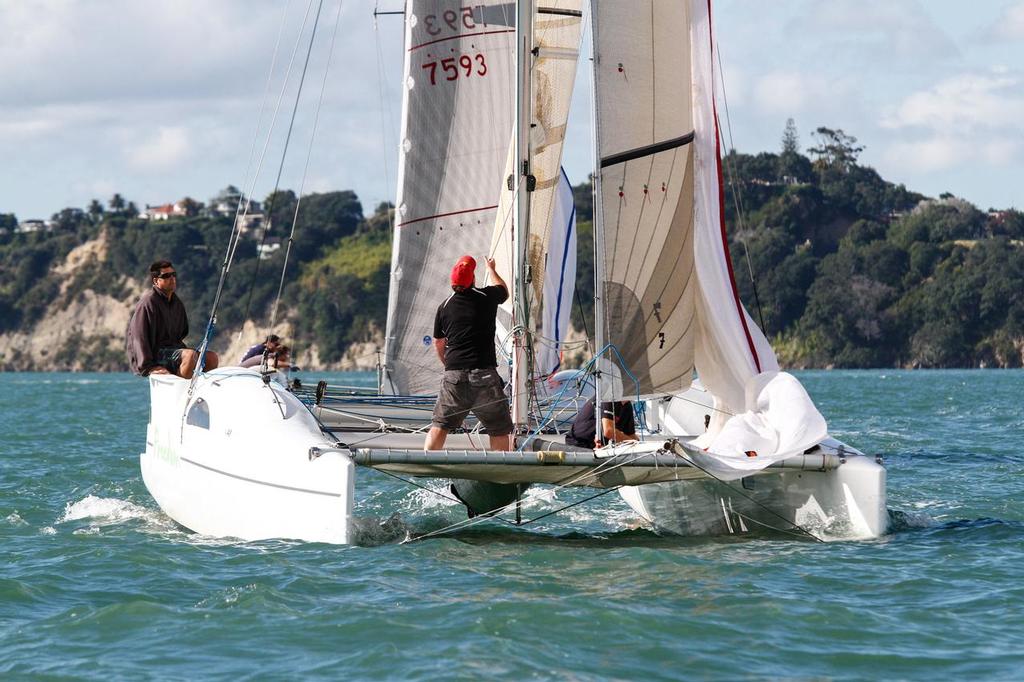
(464, 340)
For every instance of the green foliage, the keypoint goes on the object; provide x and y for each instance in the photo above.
(850, 270)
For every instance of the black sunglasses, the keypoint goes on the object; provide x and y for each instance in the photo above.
(167, 275)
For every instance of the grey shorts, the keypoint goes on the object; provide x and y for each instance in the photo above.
(479, 391)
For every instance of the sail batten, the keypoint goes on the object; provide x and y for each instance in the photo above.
(649, 150)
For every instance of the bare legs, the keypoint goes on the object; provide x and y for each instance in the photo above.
(501, 442)
(189, 358)
(436, 437)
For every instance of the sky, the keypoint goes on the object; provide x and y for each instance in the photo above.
(163, 99)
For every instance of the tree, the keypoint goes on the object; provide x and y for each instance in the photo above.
(191, 207)
(117, 204)
(790, 138)
(95, 211)
(836, 149)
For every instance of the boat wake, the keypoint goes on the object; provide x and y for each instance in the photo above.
(101, 512)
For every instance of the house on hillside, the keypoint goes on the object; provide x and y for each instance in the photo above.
(34, 225)
(230, 201)
(267, 250)
(163, 211)
(249, 224)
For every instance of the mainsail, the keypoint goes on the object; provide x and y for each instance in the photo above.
(456, 114)
(644, 206)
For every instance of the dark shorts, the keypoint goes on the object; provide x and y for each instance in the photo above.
(479, 391)
(169, 359)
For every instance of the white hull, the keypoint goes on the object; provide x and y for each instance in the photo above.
(246, 459)
(847, 502)
(239, 463)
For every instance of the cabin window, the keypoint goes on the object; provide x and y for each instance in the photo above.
(199, 415)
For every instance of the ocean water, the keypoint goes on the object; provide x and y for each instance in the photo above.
(97, 583)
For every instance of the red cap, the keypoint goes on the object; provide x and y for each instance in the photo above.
(464, 272)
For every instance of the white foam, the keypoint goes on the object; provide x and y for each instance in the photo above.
(104, 509)
(16, 520)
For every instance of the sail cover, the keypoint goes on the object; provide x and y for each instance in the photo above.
(457, 111)
(644, 138)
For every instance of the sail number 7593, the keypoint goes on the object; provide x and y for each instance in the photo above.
(452, 69)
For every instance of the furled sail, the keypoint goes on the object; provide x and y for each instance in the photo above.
(762, 415)
(645, 131)
(457, 109)
(556, 39)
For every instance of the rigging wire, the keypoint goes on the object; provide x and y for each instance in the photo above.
(233, 240)
(305, 169)
(244, 197)
(284, 154)
(386, 115)
(737, 200)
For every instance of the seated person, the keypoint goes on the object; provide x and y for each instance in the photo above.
(617, 425)
(282, 359)
(254, 356)
(155, 338)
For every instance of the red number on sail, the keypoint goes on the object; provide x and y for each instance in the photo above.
(449, 68)
(433, 69)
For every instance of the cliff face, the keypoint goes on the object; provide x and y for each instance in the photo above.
(84, 330)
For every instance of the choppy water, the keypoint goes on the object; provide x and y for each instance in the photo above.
(97, 582)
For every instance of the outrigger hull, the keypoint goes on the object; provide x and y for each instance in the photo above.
(844, 503)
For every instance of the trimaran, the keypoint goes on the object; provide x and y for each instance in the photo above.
(728, 443)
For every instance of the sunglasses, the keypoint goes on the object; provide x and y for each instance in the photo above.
(167, 275)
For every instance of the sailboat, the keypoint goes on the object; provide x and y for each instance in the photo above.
(728, 443)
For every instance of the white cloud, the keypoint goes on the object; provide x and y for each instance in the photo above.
(962, 104)
(941, 152)
(1009, 26)
(876, 31)
(167, 149)
(964, 120)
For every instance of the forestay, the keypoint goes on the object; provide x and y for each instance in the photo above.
(456, 114)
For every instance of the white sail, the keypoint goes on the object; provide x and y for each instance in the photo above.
(644, 208)
(556, 38)
(758, 408)
(669, 303)
(559, 280)
(457, 111)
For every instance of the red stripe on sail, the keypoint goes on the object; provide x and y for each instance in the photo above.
(721, 204)
(459, 37)
(445, 215)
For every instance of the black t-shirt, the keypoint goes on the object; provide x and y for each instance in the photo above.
(584, 426)
(466, 321)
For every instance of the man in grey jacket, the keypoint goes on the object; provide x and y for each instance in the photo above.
(158, 327)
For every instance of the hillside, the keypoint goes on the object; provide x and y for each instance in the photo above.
(848, 270)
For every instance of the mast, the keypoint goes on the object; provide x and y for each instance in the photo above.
(522, 184)
(598, 218)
